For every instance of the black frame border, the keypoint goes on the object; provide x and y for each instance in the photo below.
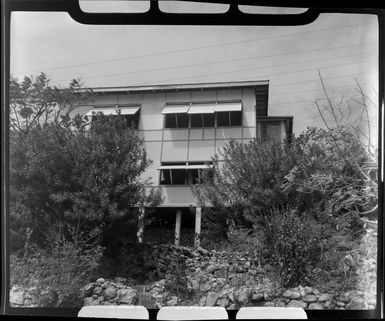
(156, 17)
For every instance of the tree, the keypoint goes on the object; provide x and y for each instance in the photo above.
(34, 101)
(62, 173)
(339, 115)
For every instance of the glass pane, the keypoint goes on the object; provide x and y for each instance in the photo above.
(170, 121)
(196, 120)
(165, 178)
(208, 120)
(236, 118)
(178, 176)
(182, 120)
(131, 121)
(271, 131)
(223, 118)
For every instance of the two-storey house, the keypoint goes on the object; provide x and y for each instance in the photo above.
(184, 125)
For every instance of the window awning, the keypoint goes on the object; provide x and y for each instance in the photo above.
(175, 109)
(199, 166)
(184, 167)
(236, 106)
(112, 110)
(104, 111)
(129, 110)
(171, 167)
(202, 109)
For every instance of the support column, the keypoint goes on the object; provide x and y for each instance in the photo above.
(178, 223)
(140, 229)
(198, 219)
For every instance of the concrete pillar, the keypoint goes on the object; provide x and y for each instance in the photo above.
(178, 223)
(140, 229)
(198, 220)
(283, 131)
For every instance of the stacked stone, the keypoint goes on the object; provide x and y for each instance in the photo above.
(107, 292)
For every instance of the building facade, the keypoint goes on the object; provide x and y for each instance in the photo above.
(183, 126)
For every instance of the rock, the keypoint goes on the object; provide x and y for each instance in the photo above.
(88, 301)
(344, 298)
(232, 307)
(120, 280)
(280, 304)
(211, 299)
(211, 268)
(16, 296)
(203, 251)
(257, 297)
(308, 290)
(194, 285)
(202, 301)
(173, 301)
(243, 295)
(315, 306)
(129, 296)
(291, 294)
(105, 285)
(357, 304)
(323, 297)
(110, 292)
(97, 291)
(220, 273)
(88, 289)
(100, 281)
(222, 302)
(269, 304)
(297, 304)
(340, 304)
(205, 287)
(309, 298)
(155, 290)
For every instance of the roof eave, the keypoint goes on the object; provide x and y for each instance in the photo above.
(177, 87)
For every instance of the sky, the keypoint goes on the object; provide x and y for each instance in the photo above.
(343, 48)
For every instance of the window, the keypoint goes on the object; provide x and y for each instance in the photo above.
(183, 173)
(176, 116)
(229, 118)
(129, 114)
(176, 121)
(203, 115)
(202, 120)
(271, 131)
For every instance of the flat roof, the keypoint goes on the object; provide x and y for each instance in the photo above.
(176, 87)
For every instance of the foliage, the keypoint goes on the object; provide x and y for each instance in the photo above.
(68, 260)
(34, 102)
(293, 245)
(61, 171)
(176, 283)
(328, 172)
(247, 178)
(299, 195)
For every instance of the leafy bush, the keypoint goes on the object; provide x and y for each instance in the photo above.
(293, 245)
(176, 282)
(68, 260)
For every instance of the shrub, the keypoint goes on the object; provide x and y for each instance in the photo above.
(60, 268)
(293, 245)
(176, 282)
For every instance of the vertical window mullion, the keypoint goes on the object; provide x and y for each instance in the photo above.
(176, 120)
(172, 183)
